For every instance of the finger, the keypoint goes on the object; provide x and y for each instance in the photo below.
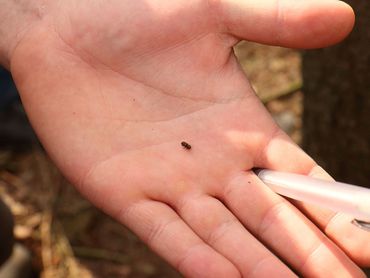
(164, 231)
(279, 152)
(290, 23)
(353, 240)
(214, 223)
(282, 154)
(285, 230)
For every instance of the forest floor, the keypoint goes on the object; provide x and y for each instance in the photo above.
(68, 237)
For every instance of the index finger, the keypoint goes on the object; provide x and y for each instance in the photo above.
(353, 240)
(282, 154)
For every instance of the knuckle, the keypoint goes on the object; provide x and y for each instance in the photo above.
(270, 217)
(220, 231)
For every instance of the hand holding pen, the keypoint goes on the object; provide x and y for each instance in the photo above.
(339, 197)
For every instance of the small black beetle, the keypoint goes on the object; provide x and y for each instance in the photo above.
(186, 145)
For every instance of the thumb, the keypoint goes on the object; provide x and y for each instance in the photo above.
(289, 23)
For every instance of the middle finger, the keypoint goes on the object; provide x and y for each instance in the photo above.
(218, 227)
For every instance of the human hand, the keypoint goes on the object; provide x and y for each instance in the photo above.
(113, 88)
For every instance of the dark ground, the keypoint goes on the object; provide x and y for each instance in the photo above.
(70, 238)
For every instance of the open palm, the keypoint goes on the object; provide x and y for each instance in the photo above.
(114, 87)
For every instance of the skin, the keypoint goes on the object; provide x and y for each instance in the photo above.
(113, 87)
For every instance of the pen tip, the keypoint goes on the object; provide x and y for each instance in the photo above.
(257, 170)
(361, 224)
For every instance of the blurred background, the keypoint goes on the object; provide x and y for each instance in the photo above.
(321, 98)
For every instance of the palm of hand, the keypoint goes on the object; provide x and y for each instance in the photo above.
(144, 90)
(130, 82)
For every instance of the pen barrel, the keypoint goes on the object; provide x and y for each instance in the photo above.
(340, 197)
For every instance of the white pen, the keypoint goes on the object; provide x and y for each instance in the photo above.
(339, 197)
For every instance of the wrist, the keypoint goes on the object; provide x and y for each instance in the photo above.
(16, 18)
